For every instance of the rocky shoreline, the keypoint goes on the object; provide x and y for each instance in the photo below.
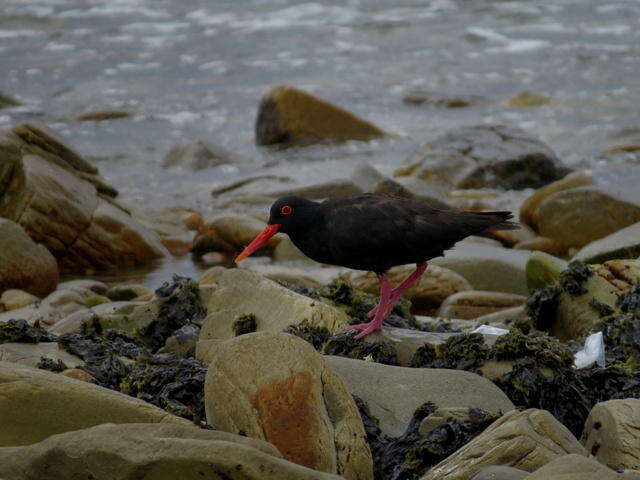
(247, 373)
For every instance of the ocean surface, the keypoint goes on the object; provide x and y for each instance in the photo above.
(196, 69)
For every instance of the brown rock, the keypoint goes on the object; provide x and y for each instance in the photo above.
(78, 375)
(100, 115)
(24, 265)
(197, 155)
(524, 440)
(475, 303)
(290, 399)
(612, 433)
(543, 244)
(289, 115)
(230, 233)
(13, 299)
(193, 220)
(177, 246)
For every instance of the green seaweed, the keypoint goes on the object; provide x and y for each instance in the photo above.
(629, 302)
(573, 278)
(315, 335)
(541, 306)
(345, 345)
(546, 351)
(244, 324)
(20, 331)
(621, 335)
(466, 351)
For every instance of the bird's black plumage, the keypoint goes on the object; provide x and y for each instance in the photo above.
(377, 232)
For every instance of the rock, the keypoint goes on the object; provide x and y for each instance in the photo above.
(43, 175)
(7, 101)
(543, 270)
(290, 399)
(182, 343)
(195, 155)
(474, 303)
(83, 285)
(420, 97)
(503, 316)
(100, 115)
(474, 261)
(440, 417)
(24, 264)
(73, 323)
(145, 451)
(525, 440)
(543, 244)
(123, 293)
(295, 276)
(331, 188)
(612, 433)
(529, 99)
(498, 472)
(62, 404)
(574, 467)
(13, 299)
(286, 251)
(485, 156)
(213, 259)
(78, 374)
(29, 354)
(230, 233)
(379, 386)
(239, 293)
(622, 244)
(530, 208)
(426, 295)
(291, 116)
(249, 185)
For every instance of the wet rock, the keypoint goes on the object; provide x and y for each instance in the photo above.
(195, 155)
(624, 243)
(78, 374)
(42, 175)
(230, 233)
(13, 299)
(523, 440)
(425, 296)
(25, 393)
(421, 97)
(526, 99)
(440, 417)
(499, 472)
(247, 187)
(543, 244)
(288, 115)
(291, 399)
(24, 264)
(485, 156)
(83, 285)
(123, 293)
(240, 292)
(100, 115)
(474, 262)
(30, 355)
(474, 303)
(543, 270)
(378, 385)
(611, 433)
(574, 467)
(120, 452)
(7, 101)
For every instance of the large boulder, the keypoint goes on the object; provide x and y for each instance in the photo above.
(612, 433)
(61, 202)
(35, 404)
(426, 295)
(288, 115)
(574, 467)
(524, 440)
(150, 452)
(290, 398)
(485, 156)
(394, 393)
(24, 264)
(244, 301)
(624, 243)
(197, 155)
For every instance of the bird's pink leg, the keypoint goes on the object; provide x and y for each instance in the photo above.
(397, 292)
(376, 323)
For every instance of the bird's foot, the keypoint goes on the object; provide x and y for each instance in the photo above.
(366, 328)
(393, 300)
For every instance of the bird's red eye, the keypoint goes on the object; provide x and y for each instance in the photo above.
(286, 210)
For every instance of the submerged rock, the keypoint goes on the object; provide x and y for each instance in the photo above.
(485, 156)
(100, 115)
(526, 99)
(288, 115)
(197, 155)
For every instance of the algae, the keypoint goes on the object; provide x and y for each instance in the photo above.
(244, 324)
(629, 302)
(345, 345)
(621, 334)
(315, 335)
(20, 331)
(602, 308)
(546, 351)
(541, 306)
(51, 365)
(461, 352)
(573, 278)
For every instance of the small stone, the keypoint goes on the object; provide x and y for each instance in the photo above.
(79, 375)
(197, 155)
(100, 115)
(13, 299)
(529, 99)
(178, 247)
(212, 259)
(193, 220)
(95, 300)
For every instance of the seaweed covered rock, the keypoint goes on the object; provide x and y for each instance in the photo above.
(21, 331)
(612, 433)
(426, 295)
(461, 352)
(379, 386)
(524, 440)
(544, 351)
(240, 292)
(35, 404)
(346, 345)
(162, 452)
(24, 264)
(291, 116)
(290, 398)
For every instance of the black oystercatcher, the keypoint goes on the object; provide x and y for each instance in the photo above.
(374, 232)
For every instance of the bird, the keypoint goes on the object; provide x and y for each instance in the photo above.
(374, 232)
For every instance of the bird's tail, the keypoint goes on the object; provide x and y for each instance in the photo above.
(497, 221)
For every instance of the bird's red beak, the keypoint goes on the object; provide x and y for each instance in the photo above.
(258, 242)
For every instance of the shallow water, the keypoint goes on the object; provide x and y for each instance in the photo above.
(197, 69)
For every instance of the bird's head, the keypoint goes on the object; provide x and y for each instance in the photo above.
(287, 215)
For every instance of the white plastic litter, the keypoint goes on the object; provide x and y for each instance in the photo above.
(593, 352)
(489, 330)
